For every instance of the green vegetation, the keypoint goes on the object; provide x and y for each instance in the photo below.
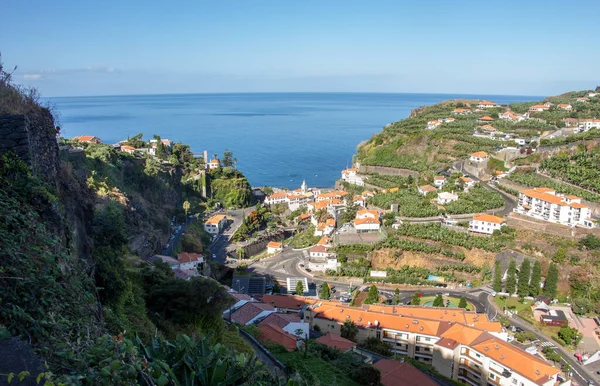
(229, 187)
(372, 296)
(410, 203)
(588, 135)
(390, 181)
(348, 329)
(416, 299)
(377, 346)
(497, 277)
(463, 302)
(299, 288)
(478, 199)
(251, 224)
(571, 336)
(524, 274)
(551, 281)
(325, 292)
(305, 238)
(438, 301)
(581, 168)
(589, 242)
(437, 232)
(511, 278)
(536, 181)
(536, 279)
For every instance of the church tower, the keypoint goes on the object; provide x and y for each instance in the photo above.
(303, 187)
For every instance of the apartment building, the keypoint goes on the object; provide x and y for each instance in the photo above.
(486, 223)
(462, 345)
(215, 224)
(545, 204)
(351, 176)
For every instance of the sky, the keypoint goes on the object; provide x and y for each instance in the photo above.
(74, 47)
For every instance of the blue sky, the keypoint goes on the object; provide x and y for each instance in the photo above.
(66, 47)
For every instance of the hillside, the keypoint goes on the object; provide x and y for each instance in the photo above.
(76, 225)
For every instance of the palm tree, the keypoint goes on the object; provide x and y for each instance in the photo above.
(349, 329)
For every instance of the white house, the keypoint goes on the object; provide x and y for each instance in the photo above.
(351, 176)
(479, 156)
(588, 124)
(366, 220)
(486, 223)
(128, 149)
(445, 198)
(215, 224)
(592, 94)
(487, 105)
(545, 204)
(320, 251)
(468, 183)
(213, 164)
(565, 106)
(433, 124)
(583, 100)
(538, 108)
(274, 247)
(461, 111)
(508, 115)
(359, 200)
(425, 189)
(189, 260)
(321, 259)
(439, 182)
(276, 198)
(295, 201)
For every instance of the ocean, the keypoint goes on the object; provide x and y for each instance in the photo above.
(279, 139)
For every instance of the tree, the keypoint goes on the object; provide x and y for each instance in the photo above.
(589, 242)
(511, 279)
(299, 288)
(416, 299)
(497, 277)
(372, 296)
(524, 274)
(276, 288)
(438, 301)
(536, 279)
(186, 207)
(551, 281)
(570, 336)
(228, 160)
(462, 303)
(560, 256)
(325, 293)
(396, 296)
(349, 329)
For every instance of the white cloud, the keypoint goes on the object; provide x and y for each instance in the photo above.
(32, 76)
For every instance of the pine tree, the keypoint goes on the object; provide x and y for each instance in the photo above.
(536, 279)
(373, 295)
(438, 301)
(551, 281)
(325, 293)
(299, 288)
(462, 303)
(396, 296)
(416, 299)
(497, 277)
(524, 274)
(511, 279)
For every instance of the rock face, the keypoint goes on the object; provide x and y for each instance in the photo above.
(417, 111)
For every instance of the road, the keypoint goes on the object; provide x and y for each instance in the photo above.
(219, 246)
(176, 236)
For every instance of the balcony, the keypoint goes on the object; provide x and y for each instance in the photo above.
(467, 353)
(468, 377)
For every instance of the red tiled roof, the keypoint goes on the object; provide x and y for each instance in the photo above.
(488, 218)
(287, 301)
(318, 248)
(249, 311)
(395, 373)
(186, 257)
(280, 320)
(271, 334)
(336, 341)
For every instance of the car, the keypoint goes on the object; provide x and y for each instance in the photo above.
(214, 256)
(167, 246)
(308, 270)
(333, 290)
(494, 293)
(302, 265)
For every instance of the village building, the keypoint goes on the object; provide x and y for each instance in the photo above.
(274, 247)
(565, 106)
(128, 149)
(276, 198)
(439, 182)
(486, 223)
(335, 341)
(321, 259)
(351, 176)
(426, 189)
(487, 105)
(215, 224)
(538, 108)
(479, 156)
(446, 198)
(461, 111)
(583, 100)
(570, 121)
(486, 119)
(213, 164)
(252, 312)
(433, 124)
(88, 139)
(367, 220)
(467, 182)
(588, 124)
(547, 205)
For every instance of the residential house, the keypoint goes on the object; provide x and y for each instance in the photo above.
(508, 115)
(274, 247)
(547, 205)
(351, 176)
(583, 100)
(565, 106)
(556, 318)
(185, 266)
(190, 260)
(438, 182)
(240, 300)
(289, 304)
(336, 194)
(548, 104)
(288, 322)
(394, 373)
(538, 108)
(367, 193)
(321, 259)
(461, 345)
(88, 139)
(252, 312)
(276, 198)
(128, 149)
(486, 223)
(588, 124)
(366, 223)
(570, 121)
(271, 334)
(325, 241)
(486, 119)
(166, 142)
(487, 105)
(446, 197)
(359, 200)
(335, 341)
(215, 224)
(296, 201)
(433, 124)
(467, 182)
(426, 189)
(461, 111)
(213, 164)
(479, 156)
(592, 94)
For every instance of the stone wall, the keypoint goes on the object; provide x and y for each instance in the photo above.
(33, 138)
(384, 170)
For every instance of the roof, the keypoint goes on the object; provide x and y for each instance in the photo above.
(165, 259)
(214, 161)
(324, 241)
(542, 194)
(479, 154)
(488, 218)
(280, 320)
(395, 373)
(251, 285)
(486, 118)
(239, 297)
(368, 193)
(291, 302)
(249, 311)
(330, 222)
(428, 188)
(577, 205)
(564, 105)
(447, 343)
(272, 334)
(447, 195)
(374, 213)
(216, 219)
(318, 249)
(487, 103)
(366, 220)
(274, 244)
(186, 257)
(127, 147)
(346, 171)
(466, 179)
(487, 127)
(85, 138)
(439, 178)
(539, 107)
(336, 341)
(277, 195)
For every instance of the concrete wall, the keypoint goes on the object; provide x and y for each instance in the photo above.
(521, 221)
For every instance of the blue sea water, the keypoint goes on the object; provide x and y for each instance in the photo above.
(279, 139)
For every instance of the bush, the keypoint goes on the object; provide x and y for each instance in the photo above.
(377, 346)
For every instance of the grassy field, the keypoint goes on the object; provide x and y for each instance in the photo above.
(509, 303)
(454, 300)
(314, 370)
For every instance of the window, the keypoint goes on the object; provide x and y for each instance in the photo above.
(514, 381)
(492, 376)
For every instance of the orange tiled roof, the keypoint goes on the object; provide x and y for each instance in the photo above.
(480, 154)
(487, 127)
(216, 219)
(319, 248)
(277, 195)
(336, 341)
(330, 222)
(287, 301)
(374, 213)
(366, 220)
(439, 178)
(487, 103)
(488, 218)
(272, 334)
(539, 107)
(84, 138)
(486, 118)
(428, 188)
(577, 205)
(541, 193)
(273, 244)
(324, 241)
(186, 257)
(127, 147)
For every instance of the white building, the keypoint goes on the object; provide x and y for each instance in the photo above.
(433, 124)
(351, 176)
(445, 198)
(426, 189)
(588, 124)
(276, 198)
(367, 220)
(439, 182)
(545, 204)
(215, 224)
(583, 100)
(565, 106)
(538, 108)
(321, 259)
(213, 164)
(359, 200)
(461, 111)
(274, 247)
(479, 156)
(486, 223)
(468, 183)
(487, 105)
(296, 201)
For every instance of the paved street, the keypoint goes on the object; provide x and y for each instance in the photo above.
(219, 245)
